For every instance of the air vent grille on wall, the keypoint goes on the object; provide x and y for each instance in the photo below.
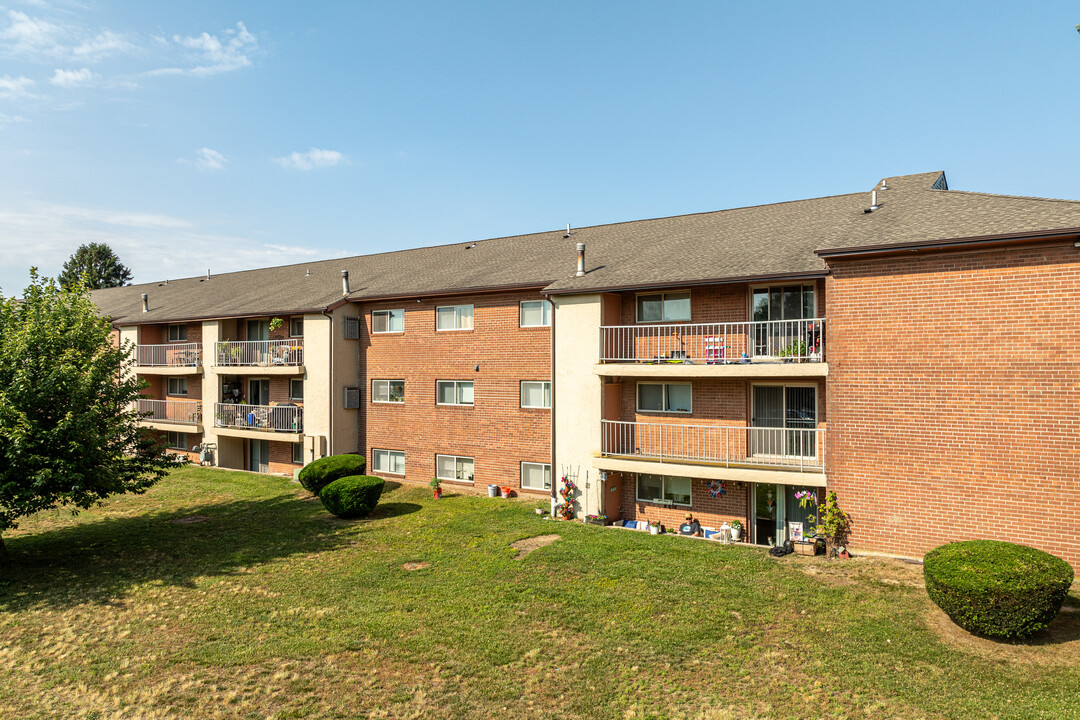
(351, 399)
(351, 328)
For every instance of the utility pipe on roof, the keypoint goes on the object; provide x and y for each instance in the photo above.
(580, 260)
(344, 282)
(145, 302)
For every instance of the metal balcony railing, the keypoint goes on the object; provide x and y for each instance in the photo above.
(748, 446)
(262, 353)
(171, 355)
(715, 343)
(181, 412)
(271, 418)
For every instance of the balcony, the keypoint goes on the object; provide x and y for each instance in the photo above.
(258, 421)
(778, 348)
(272, 357)
(171, 359)
(769, 448)
(177, 415)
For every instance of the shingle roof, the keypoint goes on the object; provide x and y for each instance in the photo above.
(753, 242)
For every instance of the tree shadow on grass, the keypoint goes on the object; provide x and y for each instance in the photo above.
(102, 560)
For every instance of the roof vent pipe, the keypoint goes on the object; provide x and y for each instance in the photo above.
(567, 231)
(207, 273)
(580, 260)
(344, 282)
(145, 302)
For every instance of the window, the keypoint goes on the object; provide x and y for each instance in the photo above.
(664, 397)
(296, 389)
(176, 440)
(387, 321)
(388, 461)
(350, 398)
(789, 302)
(451, 467)
(534, 313)
(535, 394)
(388, 391)
(298, 453)
(454, 317)
(454, 392)
(663, 307)
(177, 333)
(350, 329)
(535, 476)
(663, 489)
(296, 327)
(177, 386)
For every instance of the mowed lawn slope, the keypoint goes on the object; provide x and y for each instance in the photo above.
(225, 594)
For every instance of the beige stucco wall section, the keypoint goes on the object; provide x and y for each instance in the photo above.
(346, 435)
(228, 454)
(578, 397)
(331, 364)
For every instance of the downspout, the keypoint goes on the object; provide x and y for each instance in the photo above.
(554, 477)
(330, 439)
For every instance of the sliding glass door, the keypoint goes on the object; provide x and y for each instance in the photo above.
(784, 421)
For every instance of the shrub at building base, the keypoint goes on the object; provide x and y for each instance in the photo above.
(996, 588)
(353, 496)
(317, 475)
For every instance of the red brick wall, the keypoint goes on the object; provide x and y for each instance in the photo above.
(496, 431)
(953, 397)
(281, 458)
(709, 511)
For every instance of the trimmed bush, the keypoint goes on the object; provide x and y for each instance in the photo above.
(317, 475)
(353, 496)
(996, 588)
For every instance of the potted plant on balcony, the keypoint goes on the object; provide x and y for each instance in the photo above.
(736, 530)
(436, 487)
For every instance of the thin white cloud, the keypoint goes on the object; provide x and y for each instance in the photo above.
(214, 55)
(44, 235)
(207, 159)
(101, 45)
(71, 78)
(10, 119)
(29, 36)
(15, 88)
(313, 158)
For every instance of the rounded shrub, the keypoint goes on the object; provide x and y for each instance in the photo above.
(317, 475)
(996, 588)
(352, 496)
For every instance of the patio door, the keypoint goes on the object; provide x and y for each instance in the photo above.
(789, 302)
(769, 514)
(259, 392)
(258, 330)
(784, 421)
(259, 456)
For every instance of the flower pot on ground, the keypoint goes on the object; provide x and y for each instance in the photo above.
(436, 488)
(736, 530)
(600, 519)
(654, 527)
(506, 491)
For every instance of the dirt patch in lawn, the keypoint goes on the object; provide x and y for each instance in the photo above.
(415, 565)
(1058, 644)
(526, 546)
(189, 520)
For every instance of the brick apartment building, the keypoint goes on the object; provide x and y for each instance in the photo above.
(911, 347)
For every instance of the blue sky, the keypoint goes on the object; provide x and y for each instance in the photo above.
(243, 134)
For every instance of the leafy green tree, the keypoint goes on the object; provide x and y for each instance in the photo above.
(69, 431)
(100, 266)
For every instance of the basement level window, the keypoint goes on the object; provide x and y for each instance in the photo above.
(666, 489)
(388, 461)
(298, 453)
(176, 440)
(452, 467)
(535, 476)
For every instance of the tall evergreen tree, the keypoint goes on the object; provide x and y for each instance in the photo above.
(100, 266)
(69, 430)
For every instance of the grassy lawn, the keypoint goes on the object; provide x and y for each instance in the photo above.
(221, 594)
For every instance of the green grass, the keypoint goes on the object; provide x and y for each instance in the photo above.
(270, 608)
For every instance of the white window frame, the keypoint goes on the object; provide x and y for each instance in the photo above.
(298, 447)
(663, 303)
(547, 393)
(181, 438)
(294, 397)
(181, 380)
(389, 321)
(292, 329)
(546, 312)
(377, 453)
(457, 317)
(456, 458)
(663, 490)
(386, 383)
(180, 337)
(457, 392)
(637, 399)
(545, 468)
